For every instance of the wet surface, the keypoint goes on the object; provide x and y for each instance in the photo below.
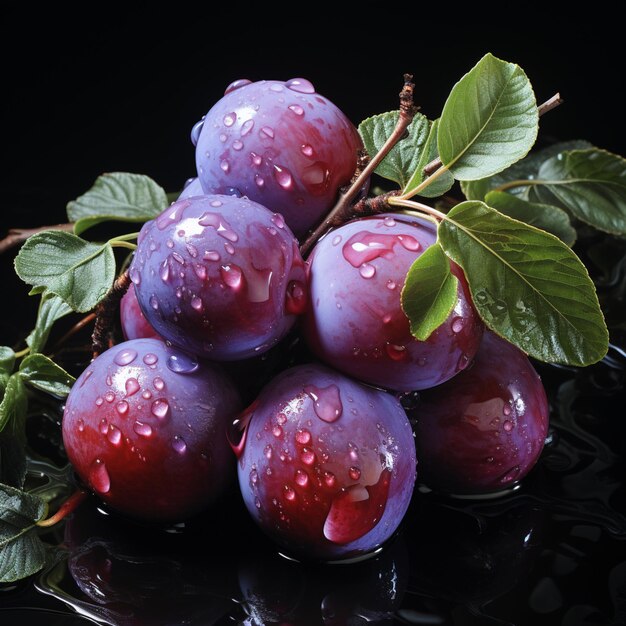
(551, 552)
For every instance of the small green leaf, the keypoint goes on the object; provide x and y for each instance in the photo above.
(590, 184)
(544, 216)
(51, 308)
(526, 169)
(7, 362)
(42, 373)
(489, 120)
(22, 553)
(117, 196)
(79, 272)
(403, 158)
(429, 293)
(443, 182)
(14, 403)
(527, 285)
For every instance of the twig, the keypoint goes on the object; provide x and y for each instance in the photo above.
(72, 331)
(548, 105)
(16, 236)
(103, 336)
(340, 212)
(70, 505)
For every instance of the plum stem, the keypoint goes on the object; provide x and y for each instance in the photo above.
(69, 506)
(342, 211)
(106, 312)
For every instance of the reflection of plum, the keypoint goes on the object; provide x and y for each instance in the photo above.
(131, 575)
(277, 591)
(464, 557)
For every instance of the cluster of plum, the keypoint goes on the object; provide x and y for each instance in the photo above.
(326, 453)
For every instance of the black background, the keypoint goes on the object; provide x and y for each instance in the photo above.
(113, 89)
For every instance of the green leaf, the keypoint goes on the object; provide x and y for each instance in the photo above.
(526, 169)
(403, 158)
(14, 403)
(51, 308)
(590, 184)
(429, 293)
(443, 182)
(59, 263)
(527, 285)
(22, 553)
(117, 196)
(489, 120)
(7, 362)
(42, 373)
(544, 216)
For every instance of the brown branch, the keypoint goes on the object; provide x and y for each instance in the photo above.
(342, 210)
(107, 311)
(550, 103)
(17, 236)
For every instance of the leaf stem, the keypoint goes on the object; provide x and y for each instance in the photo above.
(70, 505)
(550, 103)
(126, 237)
(117, 243)
(417, 206)
(520, 182)
(21, 353)
(441, 169)
(341, 211)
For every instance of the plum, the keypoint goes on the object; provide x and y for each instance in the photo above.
(279, 143)
(133, 321)
(219, 276)
(326, 464)
(355, 321)
(145, 426)
(484, 430)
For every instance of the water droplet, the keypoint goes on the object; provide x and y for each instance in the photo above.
(231, 275)
(259, 180)
(217, 221)
(268, 131)
(99, 477)
(230, 119)
(301, 85)
(142, 429)
(135, 275)
(308, 456)
(196, 303)
(354, 473)
(103, 427)
(99, 401)
(182, 363)
(277, 431)
(391, 285)
(297, 109)
(507, 425)
(257, 503)
(303, 436)
(125, 357)
(237, 84)
(290, 494)
(246, 127)
(146, 395)
(367, 271)
(154, 303)
(489, 459)
(114, 435)
(225, 166)
(195, 132)
(301, 478)
(160, 408)
(457, 324)
(283, 176)
(329, 479)
(326, 402)
(506, 409)
(267, 451)
(122, 407)
(510, 475)
(172, 214)
(179, 444)
(389, 221)
(229, 247)
(364, 247)
(109, 396)
(159, 384)
(256, 159)
(278, 220)
(316, 175)
(396, 352)
(211, 255)
(132, 386)
(254, 477)
(336, 240)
